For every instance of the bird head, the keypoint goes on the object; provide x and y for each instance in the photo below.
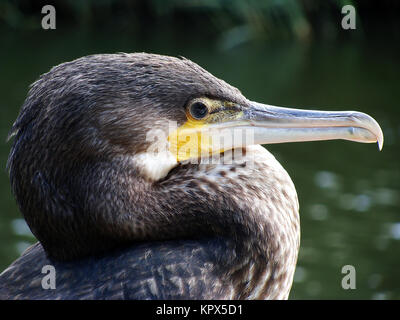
(102, 119)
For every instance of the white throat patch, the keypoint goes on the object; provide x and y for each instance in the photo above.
(155, 166)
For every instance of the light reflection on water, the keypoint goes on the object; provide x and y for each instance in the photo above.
(318, 211)
(349, 193)
(326, 180)
(395, 231)
(360, 202)
(20, 227)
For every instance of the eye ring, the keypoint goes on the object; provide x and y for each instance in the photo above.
(198, 110)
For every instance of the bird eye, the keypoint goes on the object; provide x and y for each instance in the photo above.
(198, 110)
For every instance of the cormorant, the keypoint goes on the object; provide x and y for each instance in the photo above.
(124, 207)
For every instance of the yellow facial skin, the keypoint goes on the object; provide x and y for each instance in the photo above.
(194, 138)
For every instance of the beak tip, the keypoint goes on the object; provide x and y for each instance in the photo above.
(380, 139)
(380, 144)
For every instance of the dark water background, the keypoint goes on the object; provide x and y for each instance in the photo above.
(349, 193)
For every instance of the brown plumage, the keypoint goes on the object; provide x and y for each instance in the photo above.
(111, 224)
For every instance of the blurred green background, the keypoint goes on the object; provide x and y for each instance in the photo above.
(288, 53)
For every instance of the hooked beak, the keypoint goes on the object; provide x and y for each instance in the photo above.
(272, 124)
(264, 124)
